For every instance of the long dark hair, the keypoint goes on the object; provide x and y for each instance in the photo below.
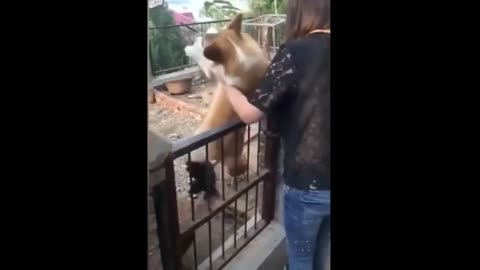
(304, 16)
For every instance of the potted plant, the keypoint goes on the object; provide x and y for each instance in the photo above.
(167, 48)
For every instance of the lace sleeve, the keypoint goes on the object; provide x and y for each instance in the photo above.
(279, 77)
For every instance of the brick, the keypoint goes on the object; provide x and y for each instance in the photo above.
(178, 105)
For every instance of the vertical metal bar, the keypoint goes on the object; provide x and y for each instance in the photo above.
(195, 250)
(235, 225)
(210, 242)
(206, 151)
(246, 214)
(256, 205)
(236, 160)
(192, 203)
(223, 165)
(258, 146)
(248, 153)
(223, 233)
(164, 196)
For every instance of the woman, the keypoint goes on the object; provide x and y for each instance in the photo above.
(296, 92)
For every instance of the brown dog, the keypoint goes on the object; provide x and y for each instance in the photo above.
(232, 58)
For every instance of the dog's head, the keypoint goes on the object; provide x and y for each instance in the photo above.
(234, 53)
(195, 168)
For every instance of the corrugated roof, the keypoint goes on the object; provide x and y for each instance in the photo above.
(182, 18)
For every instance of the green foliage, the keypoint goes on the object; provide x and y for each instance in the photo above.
(166, 45)
(219, 9)
(260, 7)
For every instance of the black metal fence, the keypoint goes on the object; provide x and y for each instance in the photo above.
(174, 242)
(184, 34)
(187, 35)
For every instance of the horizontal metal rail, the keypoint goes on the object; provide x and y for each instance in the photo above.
(226, 203)
(187, 145)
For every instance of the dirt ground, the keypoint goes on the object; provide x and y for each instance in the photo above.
(175, 126)
(170, 124)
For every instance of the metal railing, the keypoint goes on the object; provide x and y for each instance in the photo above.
(175, 242)
(268, 30)
(188, 34)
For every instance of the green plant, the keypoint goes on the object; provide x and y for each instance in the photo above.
(166, 45)
(260, 7)
(219, 9)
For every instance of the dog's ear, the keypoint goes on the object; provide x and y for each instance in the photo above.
(214, 53)
(236, 24)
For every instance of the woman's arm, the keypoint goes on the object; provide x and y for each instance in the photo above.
(246, 111)
(281, 74)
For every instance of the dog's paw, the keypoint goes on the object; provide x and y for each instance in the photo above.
(240, 169)
(237, 171)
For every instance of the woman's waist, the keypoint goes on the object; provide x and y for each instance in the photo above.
(306, 181)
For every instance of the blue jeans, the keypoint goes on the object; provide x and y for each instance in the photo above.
(307, 225)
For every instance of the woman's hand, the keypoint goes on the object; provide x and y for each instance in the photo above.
(247, 112)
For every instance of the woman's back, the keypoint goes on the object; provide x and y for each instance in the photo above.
(307, 137)
(296, 95)
(300, 79)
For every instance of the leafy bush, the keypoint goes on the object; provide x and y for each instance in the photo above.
(261, 7)
(166, 45)
(219, 9)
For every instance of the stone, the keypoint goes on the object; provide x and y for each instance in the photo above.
(173, 136)
(158, 150)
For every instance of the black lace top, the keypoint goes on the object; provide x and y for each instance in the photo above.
(296, 93)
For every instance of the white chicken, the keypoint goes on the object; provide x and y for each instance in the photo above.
(195, 52)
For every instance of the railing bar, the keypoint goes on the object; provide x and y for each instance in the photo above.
(248, 153)
(193, 24)
(254, 136)
(256, 206)
(223, 165)
(206, 151)
(195, 250)
(184, 146)
(236, 251)
(246, 213)
(189, 28)
(192, 203)
(209, 242)
(224, 205)
(236, 161)
(258, 146)
(223, 234)
(165, 205)
(235, 225)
